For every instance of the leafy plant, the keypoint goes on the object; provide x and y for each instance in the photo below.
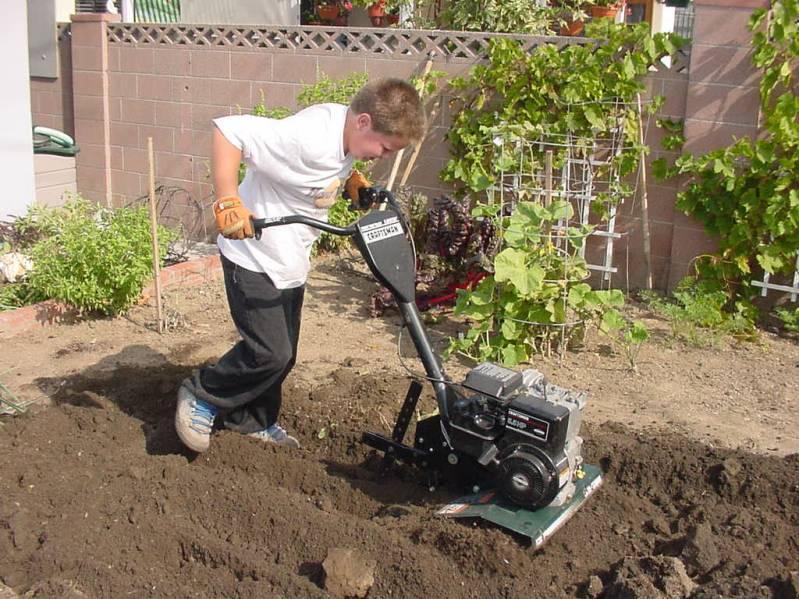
(505, 16)
(789, 318)
(537, 299)
(16, 295)
(98, 259)
(697, 312)
(388, 5)
(675, 137)
(341, 215)
(627, 335)
(541, 95)
(38, 223)
(747, 195)
(331, 90)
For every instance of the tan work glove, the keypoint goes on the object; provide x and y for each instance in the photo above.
(233, 220)
(352, 188)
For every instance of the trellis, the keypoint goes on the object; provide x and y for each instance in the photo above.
(457, 46)
(583, 171)
(766, 285)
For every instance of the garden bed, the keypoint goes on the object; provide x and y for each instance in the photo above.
(99, 497)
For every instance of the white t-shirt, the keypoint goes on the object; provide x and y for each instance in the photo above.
(295, 165)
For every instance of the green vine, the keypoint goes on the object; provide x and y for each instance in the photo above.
(542, 95)
(537, 298)
(747, 195)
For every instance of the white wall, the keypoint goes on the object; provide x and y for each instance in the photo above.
(241, 12)
(662, 18)
(16, 140)
(63, 10)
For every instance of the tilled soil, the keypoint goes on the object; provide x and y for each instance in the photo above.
(99, 499)
(99, 496)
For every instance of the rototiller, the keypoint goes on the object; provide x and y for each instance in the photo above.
(512, 436)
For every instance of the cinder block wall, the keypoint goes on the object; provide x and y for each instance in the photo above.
(55, 178)
(51, 99)
(132, 82)
(722, 104)
(629, 256)
(51, 106)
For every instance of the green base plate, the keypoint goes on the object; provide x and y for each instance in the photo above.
(539, 525)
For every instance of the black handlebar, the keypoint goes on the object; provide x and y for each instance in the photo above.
(368, 196)
(259, 224)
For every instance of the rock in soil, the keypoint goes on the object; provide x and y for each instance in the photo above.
(348, 573)
(654, 577)
(700, 551)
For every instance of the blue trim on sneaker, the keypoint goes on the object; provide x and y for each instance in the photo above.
(202, 416)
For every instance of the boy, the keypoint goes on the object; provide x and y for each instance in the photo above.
(294, 166)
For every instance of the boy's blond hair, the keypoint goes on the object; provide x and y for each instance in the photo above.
(395, 108)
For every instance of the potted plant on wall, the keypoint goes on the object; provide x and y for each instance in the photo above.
(569, 16)
(379, 10)
(335, 12)
(607, 9)
(327, 10)
(344, 10)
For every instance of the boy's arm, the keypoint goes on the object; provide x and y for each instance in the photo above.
(232, 218)
(225, 160)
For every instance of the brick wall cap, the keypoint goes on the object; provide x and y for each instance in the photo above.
(95, 17)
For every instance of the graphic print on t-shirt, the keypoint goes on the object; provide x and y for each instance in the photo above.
(325, 198)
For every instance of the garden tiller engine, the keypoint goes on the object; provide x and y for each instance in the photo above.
(511, 436)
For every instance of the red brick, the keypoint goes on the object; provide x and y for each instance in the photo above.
(340, 67)
(138, 111)
(723, 64)
(288, 68)
(725, 104)
(172, 62)
(703, 136)
(122, 85)
(155, 87)
(136, 59)
(251, 66)
(210, 63)
(163, 138)
(86, 58)
(722, 26)
(176, 166)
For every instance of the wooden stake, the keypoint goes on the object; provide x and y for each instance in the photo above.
(154, 234)
(416, 149)
(644, 201)
(398, 159)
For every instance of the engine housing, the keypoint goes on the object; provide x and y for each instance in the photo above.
(522, 429)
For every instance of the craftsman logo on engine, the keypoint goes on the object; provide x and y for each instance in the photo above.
(389, 227)
(528, 425)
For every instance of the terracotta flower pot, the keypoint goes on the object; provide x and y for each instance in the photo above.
(377, 13)
(572, 28)
(392, 18)
(378, 9)
(605, 12)
(328, 12)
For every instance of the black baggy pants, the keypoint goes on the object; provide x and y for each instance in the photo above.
(246, 382)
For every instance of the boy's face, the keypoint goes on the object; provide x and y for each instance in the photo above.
(364, 143)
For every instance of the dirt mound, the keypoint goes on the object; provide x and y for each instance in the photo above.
(98, 496)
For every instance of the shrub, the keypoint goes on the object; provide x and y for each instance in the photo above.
(97, 259)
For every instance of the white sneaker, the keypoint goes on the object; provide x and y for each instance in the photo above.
(276, 434)
(194, 420)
